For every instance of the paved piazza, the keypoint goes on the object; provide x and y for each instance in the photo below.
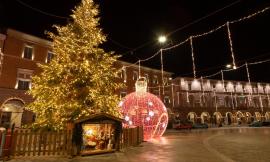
(212, 145)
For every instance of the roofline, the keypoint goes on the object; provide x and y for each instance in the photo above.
(35, 39)
(144, 67)
(95, 115)
(28, 37)
(237, 81)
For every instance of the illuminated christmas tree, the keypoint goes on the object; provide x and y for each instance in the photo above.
(80, 79)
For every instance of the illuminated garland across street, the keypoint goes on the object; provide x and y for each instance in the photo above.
(227, 24)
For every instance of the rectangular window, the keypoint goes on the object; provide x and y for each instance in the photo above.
(123, 94)
(155, 79)
(23, 85)
(49, 57)
(165, 81)
(5, 118)
(167, 100)
(135, 75)
(146, 77)
(23, 79)
(123, 75)
(28, 52)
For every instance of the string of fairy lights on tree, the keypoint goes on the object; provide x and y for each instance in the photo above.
(190, 39)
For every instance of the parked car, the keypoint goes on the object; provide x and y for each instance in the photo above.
(266, 123)
(182, 125)
(256, 124)
(199, 125)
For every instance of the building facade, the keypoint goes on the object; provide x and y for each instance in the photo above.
(200, 100)
(19, 58)
(221, 102)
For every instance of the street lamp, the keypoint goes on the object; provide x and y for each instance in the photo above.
(228, 66)
(162, 39)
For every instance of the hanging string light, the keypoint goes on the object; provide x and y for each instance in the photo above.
(232, 101)
(215, 96)
(216, 29)
(139, 68)
(222, 77)
(202, 97)
(193, 59)
(248, 76)
(162, 73)
(249, 84)
(231, 45)
(172, 94)
(203, 101)
(251, 15)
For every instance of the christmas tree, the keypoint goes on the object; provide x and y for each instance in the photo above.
(80, 79)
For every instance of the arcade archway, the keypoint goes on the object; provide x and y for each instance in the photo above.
(11, 113)
(192, 117)
(205, 117)
(258, 116)
(249, 118)
(239, 117)
(217, 118)
(229, 118)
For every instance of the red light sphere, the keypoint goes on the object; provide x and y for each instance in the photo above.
(141, 108)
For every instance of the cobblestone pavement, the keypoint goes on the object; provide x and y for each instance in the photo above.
(212, 145)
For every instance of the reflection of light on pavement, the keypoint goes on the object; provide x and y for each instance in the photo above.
(240, 130)
(160, 140)
(266, 131)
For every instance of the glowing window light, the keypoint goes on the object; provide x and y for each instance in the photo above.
(230, 87)
(248, 88)
(267, 89)
(219, 87)
(195, 85)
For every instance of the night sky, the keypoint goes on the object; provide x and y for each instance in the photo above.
(133, 26)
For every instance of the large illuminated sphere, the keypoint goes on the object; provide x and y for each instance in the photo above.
(147, 110)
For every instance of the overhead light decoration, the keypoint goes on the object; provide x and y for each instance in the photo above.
(141, 108)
